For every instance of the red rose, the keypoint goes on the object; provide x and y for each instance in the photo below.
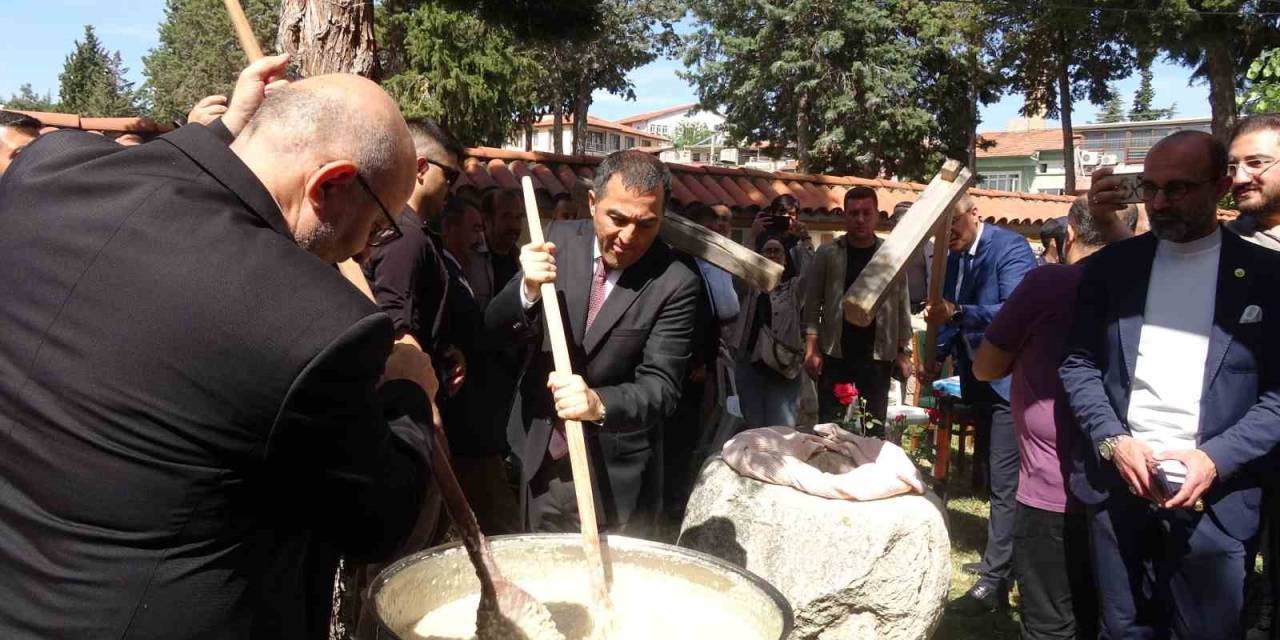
(845, 393)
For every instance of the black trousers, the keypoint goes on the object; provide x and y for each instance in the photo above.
(996, 436)
(1055, 579)
(870, 376)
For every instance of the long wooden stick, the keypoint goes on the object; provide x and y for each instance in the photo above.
(244, 31)
(937, 275)
(596, 562)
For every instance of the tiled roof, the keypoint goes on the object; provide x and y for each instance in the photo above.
(1019, 143)
(545, 122)
(649, 115)
(112, 125)
(819, 195)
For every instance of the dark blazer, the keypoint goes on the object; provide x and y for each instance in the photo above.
(1240, 408)
(1000, 261)
(188, 402)
(634, 357)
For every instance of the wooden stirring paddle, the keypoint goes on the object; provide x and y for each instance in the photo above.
(591, 548)
(506, 611)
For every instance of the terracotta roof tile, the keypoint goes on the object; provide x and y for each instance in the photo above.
(502, 175)
(1020, 143)
(478, 172)
(549, 179)
(737, 186)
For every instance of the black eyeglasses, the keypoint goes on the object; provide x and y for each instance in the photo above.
(451, 175)
(1174, 190)
(384, 233)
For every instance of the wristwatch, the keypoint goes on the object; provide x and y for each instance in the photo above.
(957, 316)
(1107, 448)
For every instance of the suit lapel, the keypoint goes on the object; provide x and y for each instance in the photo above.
(578, 269)
(1230, 299)
(1131, 301)
(632, 281)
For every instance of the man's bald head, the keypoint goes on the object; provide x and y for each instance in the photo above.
(310, 141)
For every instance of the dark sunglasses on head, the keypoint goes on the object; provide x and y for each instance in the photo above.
(451, 175)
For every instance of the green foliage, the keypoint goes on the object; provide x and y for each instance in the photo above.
(1113, 110)
(1217, 38)
(690, 133)
(452, 66)
(198, 54)
(26, 99)
(540, 20)
(93, 82)
(1262, 94)
(868, 87)
(1145, 95)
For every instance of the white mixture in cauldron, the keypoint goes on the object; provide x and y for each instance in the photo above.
(648, 605)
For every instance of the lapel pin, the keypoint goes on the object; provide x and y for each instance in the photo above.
(1239, 273)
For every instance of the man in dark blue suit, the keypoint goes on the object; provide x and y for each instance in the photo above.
(984, 266)
(1173, 372)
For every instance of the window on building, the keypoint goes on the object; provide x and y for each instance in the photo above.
(1052, 192)
(615, 142)
(595, 141)
(1043, 168)
(630, 142)
(646, 143)
(1002, 180)
(696, 156)
(660, 129)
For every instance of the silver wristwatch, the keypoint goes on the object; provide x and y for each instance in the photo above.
(1107, 448)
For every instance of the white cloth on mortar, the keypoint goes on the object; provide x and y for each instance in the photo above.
(875, 469)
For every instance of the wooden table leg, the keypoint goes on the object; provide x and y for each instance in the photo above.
(942, 447)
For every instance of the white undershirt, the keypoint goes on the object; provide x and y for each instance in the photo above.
(1164, 405)
(610, 280)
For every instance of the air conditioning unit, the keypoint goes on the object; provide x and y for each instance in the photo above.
(1109, 159)
(1088, 158)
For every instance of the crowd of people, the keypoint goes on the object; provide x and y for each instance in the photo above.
(202, 416)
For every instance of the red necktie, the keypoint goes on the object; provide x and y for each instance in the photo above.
(599, 280)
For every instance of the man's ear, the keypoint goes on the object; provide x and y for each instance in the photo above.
(423, 167)
(323, 184)
(591, 201)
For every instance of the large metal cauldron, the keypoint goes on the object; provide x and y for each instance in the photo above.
(409, 589)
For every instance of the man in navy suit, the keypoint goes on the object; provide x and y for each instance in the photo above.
(1173, 372)
(984, 266)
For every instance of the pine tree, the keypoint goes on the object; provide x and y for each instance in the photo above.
(93, 82)
(1144, 96)
(198, 55)
(26, 99)
(1113, 110)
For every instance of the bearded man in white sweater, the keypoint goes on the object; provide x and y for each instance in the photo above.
(1173, 372)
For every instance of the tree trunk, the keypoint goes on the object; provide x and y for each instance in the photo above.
(802, 134)
(581, 103)
(333, 36)
(1064, 109)
(528, 137)
(557, 127)
(1222, 87)
(971, 148)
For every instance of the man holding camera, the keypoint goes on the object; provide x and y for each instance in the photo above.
(1170, 373)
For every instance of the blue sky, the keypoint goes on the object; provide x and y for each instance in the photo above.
(40, 34)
